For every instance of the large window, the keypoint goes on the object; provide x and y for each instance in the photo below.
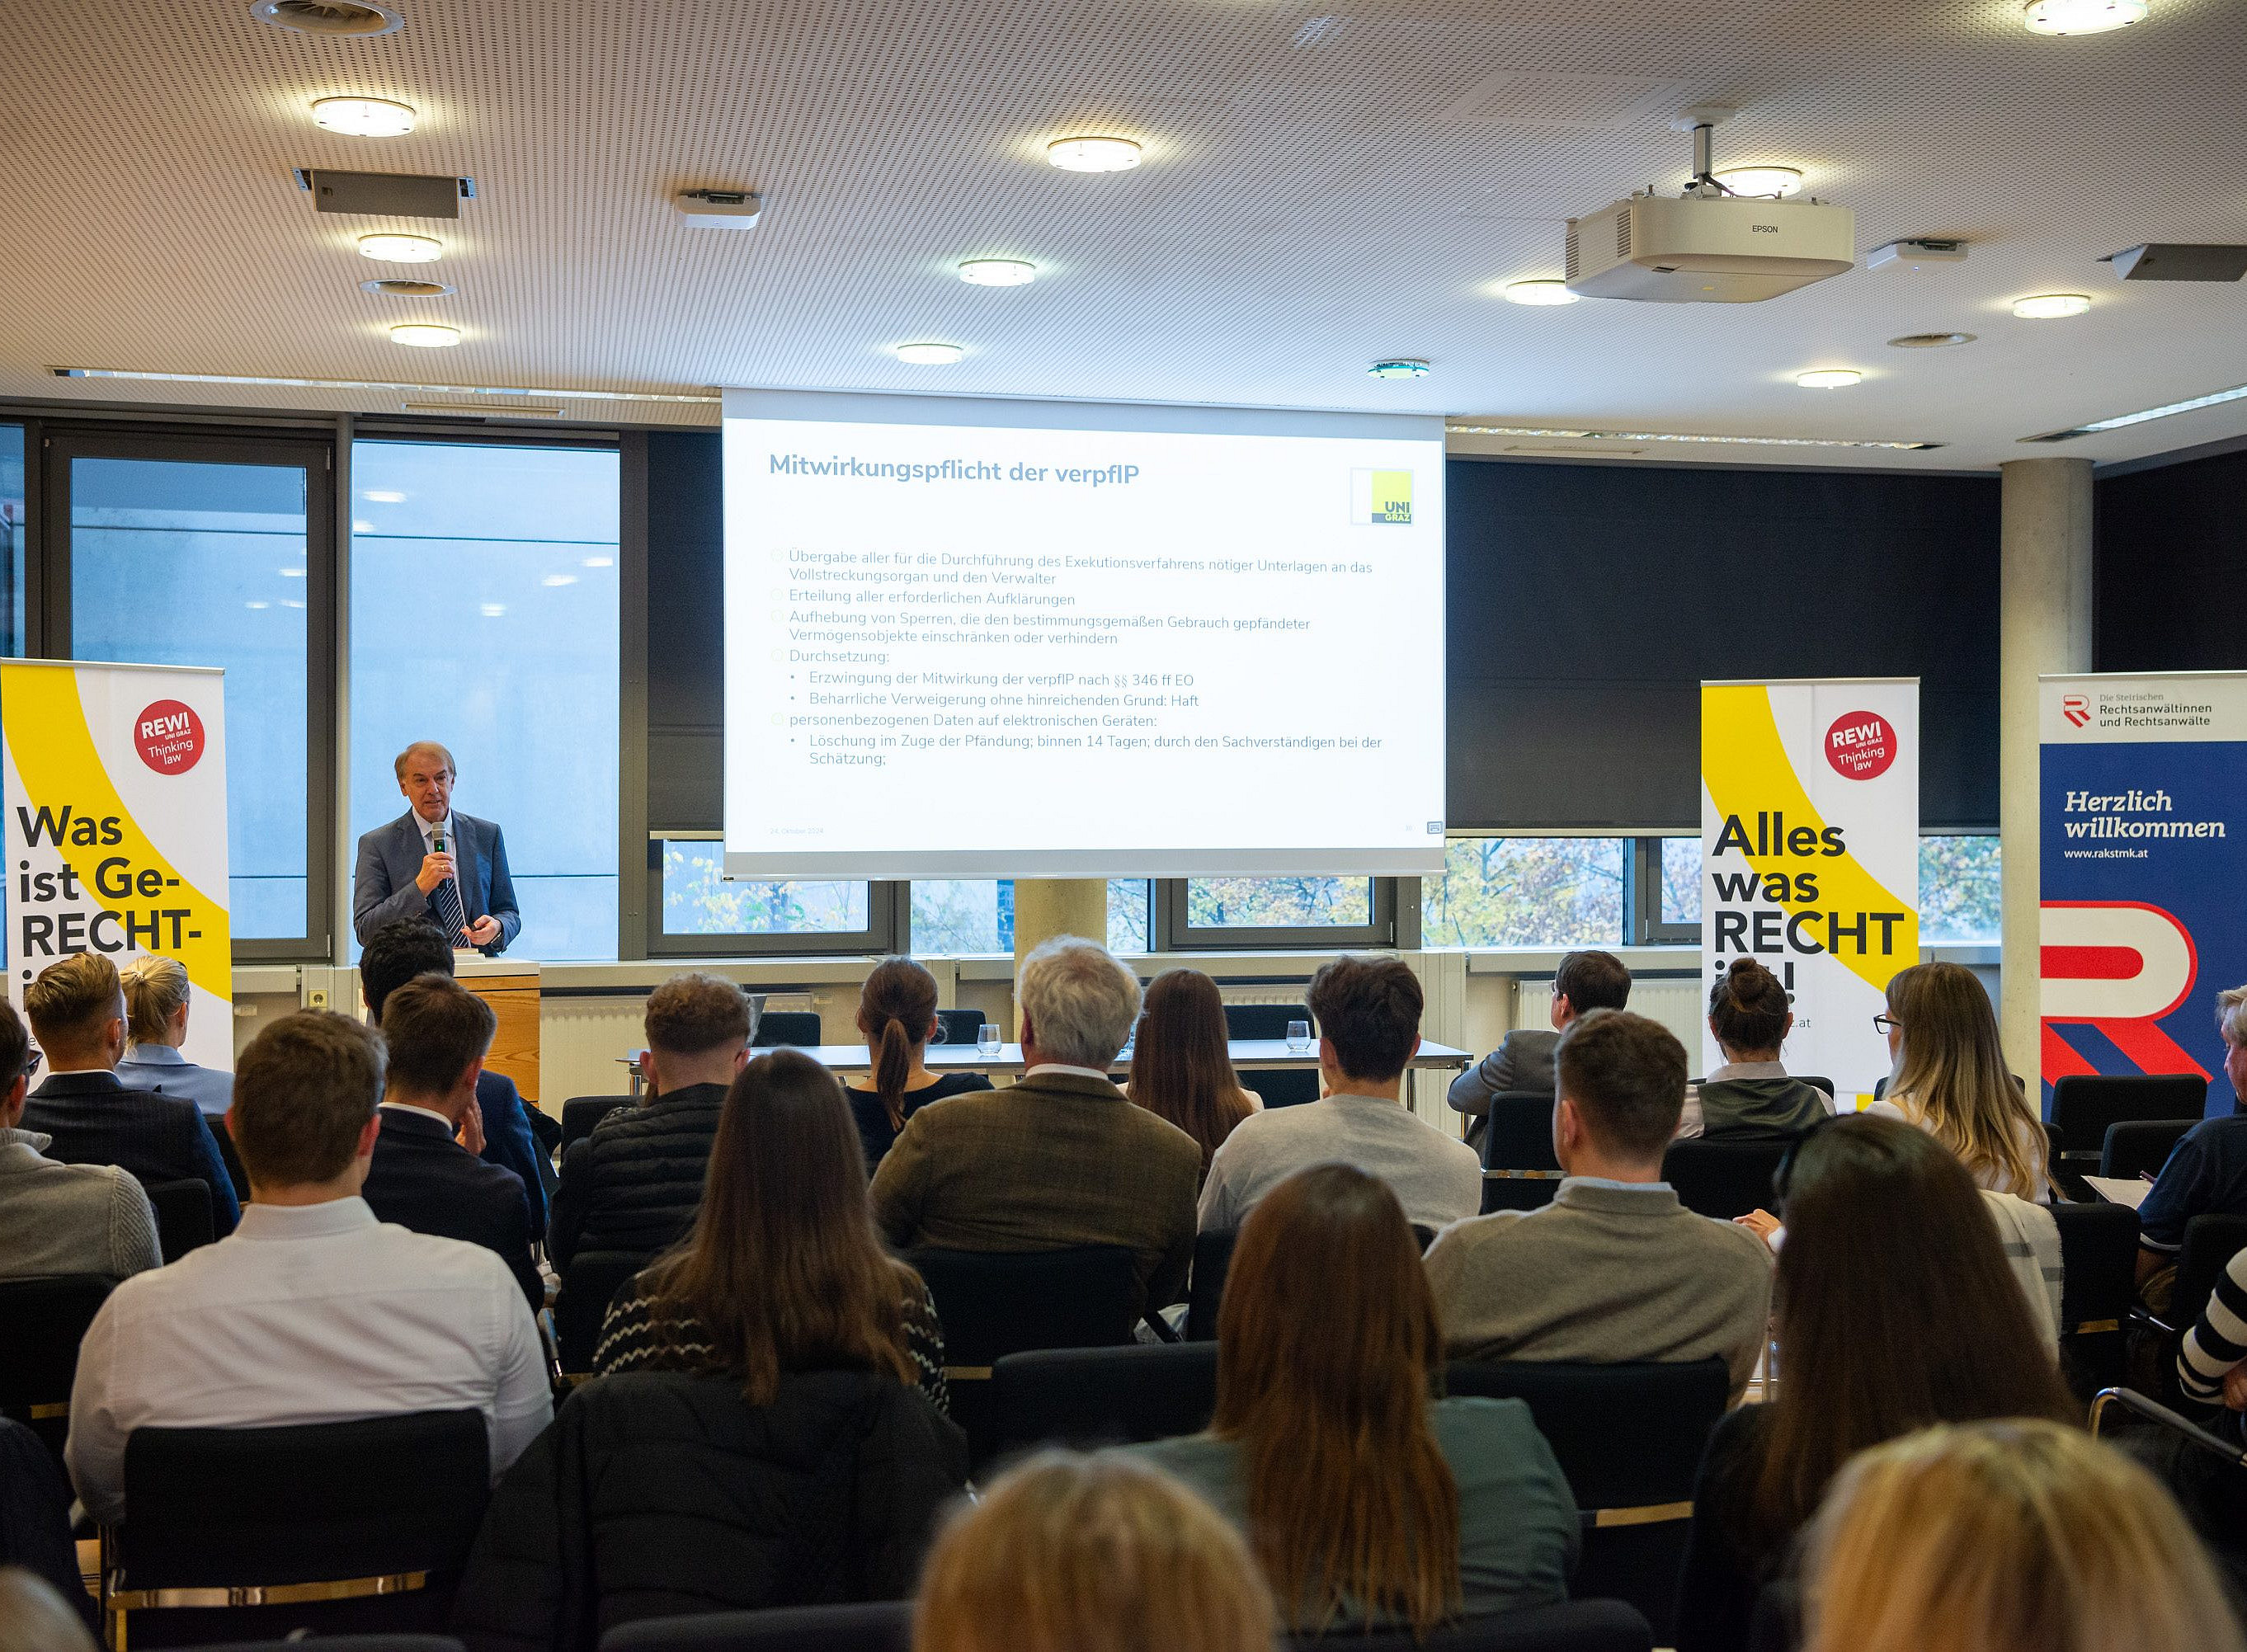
(1960, 899)
(961, 916)
(1526, 891)
(484, 616)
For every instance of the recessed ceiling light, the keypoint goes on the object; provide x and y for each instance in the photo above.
(327, 16)
(425, 335)
(257, 603)
(401, 249)
(664, 397)
(1544, 290)
(1093, 154)
(363, 117)
(555, 581)
(998, 272)
(2052, 307)
(1931, 340)
(491, 610)
(290, 573)
(1682, 436)
(1770, 182)
(1401, 367)
(362, 527)
(599, 562)
(383, 496)
(2081, 16)
(929, 355)
(1828, 377)
(407, 289)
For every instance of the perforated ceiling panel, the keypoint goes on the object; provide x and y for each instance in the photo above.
(1320, 190)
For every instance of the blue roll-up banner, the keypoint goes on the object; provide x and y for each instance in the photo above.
(2143, 871)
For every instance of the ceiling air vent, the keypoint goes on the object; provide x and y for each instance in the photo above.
(1570, 273)
(1623, 234)
(349, 17)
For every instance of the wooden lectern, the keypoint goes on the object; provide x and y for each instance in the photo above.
(510, 987)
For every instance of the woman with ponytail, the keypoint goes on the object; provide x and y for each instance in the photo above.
(1751, 1095)
(156, 1021)
(897, 1014)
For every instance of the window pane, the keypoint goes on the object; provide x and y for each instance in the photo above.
(697, 899)
(15, 612)
(1959, 897)
(956, 915)
(1681, 880)
(179, 563)
(1526, 891)
(484, 616)
(1278, 902)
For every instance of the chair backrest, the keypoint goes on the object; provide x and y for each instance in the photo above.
(2210, 1242)
(350, 1644)
(1517, 1191)
(1826, 1084)
(1090, 1396)
(1212, 1260)
(796, 1027)
(581, 1113)
(1777, 1626)
(2084, 1104)
(589, 1285)
(2098, 1261)
(993, 1303)
(1279, 1086)
(1629, 1438)
(875, 1626)
(2136, 1146)
(1519, 1136)
(1263, 1021)
(45, 1320)
(959, 1027)
(1573, 1626)
(1723, 1178)
(184, 1215)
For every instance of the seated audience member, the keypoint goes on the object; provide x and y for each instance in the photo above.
(1950, 1079)
(1523, 1060)
(1894, 1310)
(2016, 1536)
(1369, 1016)
(61, 1219)
(156, 997)
(437, 1032)
(1060, 1159)
(1750, 1097)
(394, 955)
(1615, 1268)
(897, 1016)
(1070, 1553)
(1181, 1067)
(632, 1187)
(1363, 1499)
(39, 1616)
(2207, 1171)
(784, 1271)
(312, 1312)
(77, 1012)
(35, 1539)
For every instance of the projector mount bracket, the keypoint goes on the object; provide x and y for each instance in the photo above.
(1702, 120)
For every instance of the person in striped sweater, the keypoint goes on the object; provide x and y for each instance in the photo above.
(2212, 1363)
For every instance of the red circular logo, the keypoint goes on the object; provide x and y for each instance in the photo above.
(1860, 745)
(169, 737)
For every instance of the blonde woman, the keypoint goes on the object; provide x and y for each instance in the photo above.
(1951, 1080)
(156, 1021)
(2012, 1536)
(1070, 1553)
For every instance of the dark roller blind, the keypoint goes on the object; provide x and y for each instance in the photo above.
(2172, 555)
(687, 632)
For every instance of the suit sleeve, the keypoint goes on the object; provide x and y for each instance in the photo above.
(1493, 1075)
(901, 1183)
(1167, 1284)
(566, 1222)
(226, 1209)
(518, 1233)
(510, 1143)
(373, 902)
(502, 905)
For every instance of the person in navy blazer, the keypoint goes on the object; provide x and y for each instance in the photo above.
(77, 1012)
(394, 955)
(439, 1033)
(463, 888)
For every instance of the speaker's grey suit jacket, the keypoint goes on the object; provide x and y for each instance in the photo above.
(383, 890)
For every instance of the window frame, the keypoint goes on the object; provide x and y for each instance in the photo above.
(887, 902)
(1642, 923)
(1174, 931)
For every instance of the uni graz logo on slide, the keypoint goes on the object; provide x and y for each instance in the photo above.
(1377, 497)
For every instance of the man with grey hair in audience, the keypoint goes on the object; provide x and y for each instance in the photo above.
(1062, 1158)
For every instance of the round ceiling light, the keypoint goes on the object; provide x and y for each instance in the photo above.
(2052, 307)
(425, 335)
(929, 354)
(363, 117)
(1766, 181)
(1931, 340)
(407, 289)
(1399, 368)
(2082, 17)
(1093, 154)
(1543, 290)
(401, 249)
(328, 16)
(1828, 377)
(998, 272)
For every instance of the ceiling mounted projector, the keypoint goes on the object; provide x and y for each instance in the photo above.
(1708, 246)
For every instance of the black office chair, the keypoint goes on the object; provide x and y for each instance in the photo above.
(1629, 1438)
(350, 1644)
(231, 1157)
(1826, 1084)
(581, 1113)
(959, 1028)
(1212, 1260)
(1090, 1396)
(1573, 1626)
(255, 1533)
(1518, 1170)
(2098, 1282)
(876, 1626)
(2210, 1242)
(45, 1320)
(994, 1303)
(2083, 1105)
(1279, 1086)
(589, 1285)
(184, 1217)
(795, 1029)
(1724, 1178)
(1777, 1626)
(2140, 1146)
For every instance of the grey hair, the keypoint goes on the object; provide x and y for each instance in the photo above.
(1080, 1001)
(2232, 1015)
(407, 756)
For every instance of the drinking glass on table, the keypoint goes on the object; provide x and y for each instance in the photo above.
(1299, 1037)
(987, 1040)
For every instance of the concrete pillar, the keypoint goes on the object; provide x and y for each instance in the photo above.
(1045, 907)
(2045, 626)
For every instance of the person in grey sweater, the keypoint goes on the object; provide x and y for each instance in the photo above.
(61, 1219)
(1523, 1060)
(1615, 1269)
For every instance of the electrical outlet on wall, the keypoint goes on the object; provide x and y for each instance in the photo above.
(317, 997)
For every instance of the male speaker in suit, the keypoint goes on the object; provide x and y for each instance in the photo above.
(1524, 1059)
(438, 1032)
(431, 864)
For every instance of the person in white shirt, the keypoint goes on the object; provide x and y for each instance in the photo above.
(311, 1311)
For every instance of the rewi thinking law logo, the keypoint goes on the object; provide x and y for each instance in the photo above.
(1378, 496)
